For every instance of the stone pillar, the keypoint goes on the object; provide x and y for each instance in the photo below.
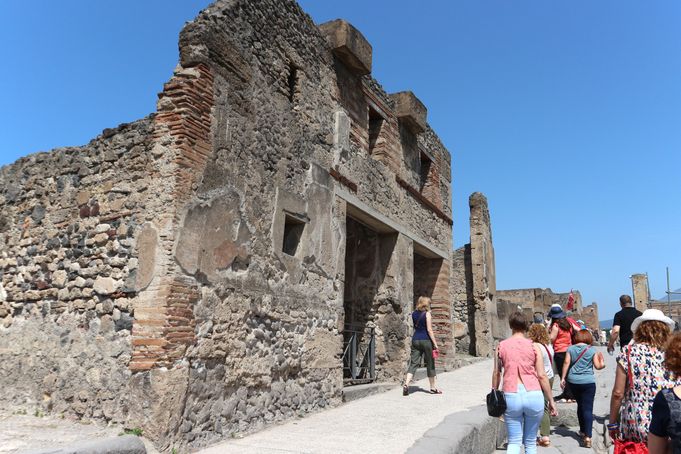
(483, 274)
(639, 284)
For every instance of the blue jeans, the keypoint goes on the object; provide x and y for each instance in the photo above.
(584, 395)
(524, 410)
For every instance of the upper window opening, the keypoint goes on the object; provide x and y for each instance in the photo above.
(425, 164)
(375, 124)
(292, 82)
(293, 231)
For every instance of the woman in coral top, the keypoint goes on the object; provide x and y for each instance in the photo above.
(561, 336)
(524, 380)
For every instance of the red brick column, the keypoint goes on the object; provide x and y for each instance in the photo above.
(164, 320)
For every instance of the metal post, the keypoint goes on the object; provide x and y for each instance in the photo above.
(353, 355)
(372, 355)
(669, 295)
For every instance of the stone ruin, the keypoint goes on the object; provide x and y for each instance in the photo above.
(238, 257)
(480, 311)
(202, 272)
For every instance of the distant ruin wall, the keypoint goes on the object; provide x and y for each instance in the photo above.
(538, 300)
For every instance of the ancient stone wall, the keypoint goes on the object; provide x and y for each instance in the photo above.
(69, 266)
(199, 256)
(539, 300)
(461, 291)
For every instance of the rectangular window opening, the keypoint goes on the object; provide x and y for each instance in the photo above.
(425, 164)
(292, 82)
(375, 124)
(293, 231)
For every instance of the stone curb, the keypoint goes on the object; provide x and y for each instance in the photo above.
(125, 444)
(472, 432)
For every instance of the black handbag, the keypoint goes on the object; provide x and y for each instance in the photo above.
(496, 403)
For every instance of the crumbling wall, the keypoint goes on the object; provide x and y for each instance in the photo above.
(211, 238)
(71, 272)
(461, 290)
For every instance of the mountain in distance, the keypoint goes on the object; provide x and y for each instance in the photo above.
(605, 324)
(676, 296)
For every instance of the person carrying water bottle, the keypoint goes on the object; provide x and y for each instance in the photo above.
(423, 345)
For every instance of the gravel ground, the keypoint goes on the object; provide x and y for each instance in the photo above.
(20, 433)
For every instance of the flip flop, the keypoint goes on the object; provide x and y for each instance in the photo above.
(544, 443)
(435, 391)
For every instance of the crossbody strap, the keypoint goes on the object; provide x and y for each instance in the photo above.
(581, 354)
(630, 373)
(548, 354)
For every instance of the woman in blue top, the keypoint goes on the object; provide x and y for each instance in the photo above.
(423, 344)
(580, 360)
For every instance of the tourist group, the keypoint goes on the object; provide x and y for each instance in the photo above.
(645, 403)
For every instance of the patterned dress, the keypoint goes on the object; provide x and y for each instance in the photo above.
(650, 376)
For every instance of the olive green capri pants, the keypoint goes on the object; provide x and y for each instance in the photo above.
(419, 349)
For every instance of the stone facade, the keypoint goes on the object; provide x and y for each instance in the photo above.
(199, 271)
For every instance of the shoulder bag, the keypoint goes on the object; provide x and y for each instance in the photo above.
(496, 403)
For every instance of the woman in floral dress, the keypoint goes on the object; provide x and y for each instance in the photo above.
(643, 360)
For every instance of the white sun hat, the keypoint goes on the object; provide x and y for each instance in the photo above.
(652, 315)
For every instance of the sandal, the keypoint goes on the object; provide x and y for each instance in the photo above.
(435, 391)
(405, 390)
(587, 442)
(544, 442)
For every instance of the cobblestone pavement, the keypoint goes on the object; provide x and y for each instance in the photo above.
(27, 432)
(564, 440)
(383, 423)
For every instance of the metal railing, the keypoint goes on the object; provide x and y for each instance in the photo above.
(359, 354)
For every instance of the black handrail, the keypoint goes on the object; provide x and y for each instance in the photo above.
(359, 354)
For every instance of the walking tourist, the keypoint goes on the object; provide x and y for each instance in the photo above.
(561, 331)
(640, 375)
(621, 324)
(423, 345)
(540, 336)
(664, 436)
(580, 360)
(524, 380)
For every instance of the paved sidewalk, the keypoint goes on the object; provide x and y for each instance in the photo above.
(387, 422)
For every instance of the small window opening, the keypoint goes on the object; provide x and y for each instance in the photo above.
(375, 123)
(424, 170)
(292, 82)
(293, 231)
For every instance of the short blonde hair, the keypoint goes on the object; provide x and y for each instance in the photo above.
(423, 303)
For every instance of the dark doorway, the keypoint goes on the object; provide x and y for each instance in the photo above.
(367, 255)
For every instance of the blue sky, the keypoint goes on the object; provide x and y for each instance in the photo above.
(565, 114)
